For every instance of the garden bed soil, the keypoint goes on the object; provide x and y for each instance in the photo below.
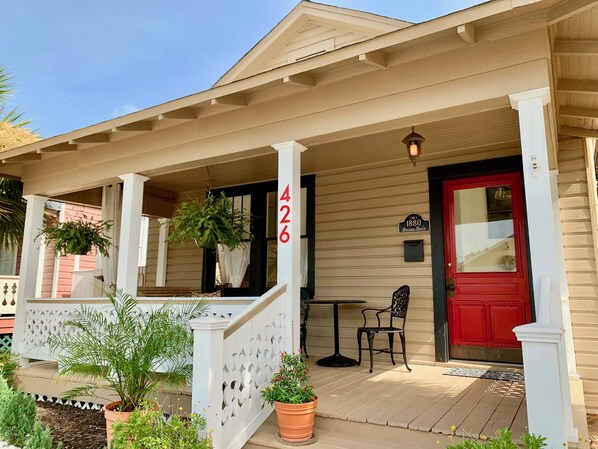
(86, 429)
(593, 430)
(76, 428)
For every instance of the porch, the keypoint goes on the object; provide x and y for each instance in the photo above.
(387, 408)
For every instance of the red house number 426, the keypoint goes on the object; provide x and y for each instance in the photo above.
(284, 212)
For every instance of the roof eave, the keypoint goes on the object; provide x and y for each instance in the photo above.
(438, 25)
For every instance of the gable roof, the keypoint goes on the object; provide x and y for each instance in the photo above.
(308, 30)
(212, 101)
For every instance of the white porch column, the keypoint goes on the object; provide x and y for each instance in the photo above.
(208, 362)
(34, 219)
(162, 252)
(130, 232)
(289, 235)
(546, 262)
(538, 195)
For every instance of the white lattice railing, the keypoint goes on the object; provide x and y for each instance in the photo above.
(8, 294)
(233, 361)
(44, 317)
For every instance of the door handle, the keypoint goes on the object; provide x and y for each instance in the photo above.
(450, 288)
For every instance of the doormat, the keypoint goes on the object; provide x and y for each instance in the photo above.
(508, 376)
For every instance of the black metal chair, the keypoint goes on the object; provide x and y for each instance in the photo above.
(397, 311)
(304, 297)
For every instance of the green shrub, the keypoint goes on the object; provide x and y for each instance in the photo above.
(16, 418)
(41, 438)
(503, 440)
(9, 362)
(149, 430)
(5, 393)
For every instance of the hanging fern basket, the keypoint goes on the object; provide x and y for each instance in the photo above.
(210, 222)
(78, 237)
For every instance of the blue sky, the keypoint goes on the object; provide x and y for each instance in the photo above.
(76, 62)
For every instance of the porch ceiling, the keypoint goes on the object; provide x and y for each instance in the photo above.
(575, 65)
(445, 139)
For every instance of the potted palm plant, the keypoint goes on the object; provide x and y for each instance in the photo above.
(78, 237)
(131, 350)
(293, 398)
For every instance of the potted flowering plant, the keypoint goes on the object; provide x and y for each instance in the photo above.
(293, 398)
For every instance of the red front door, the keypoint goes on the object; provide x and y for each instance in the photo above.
(486, 266)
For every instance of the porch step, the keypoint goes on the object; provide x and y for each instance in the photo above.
(337, 433)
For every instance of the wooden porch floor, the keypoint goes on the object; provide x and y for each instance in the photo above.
(424, 400)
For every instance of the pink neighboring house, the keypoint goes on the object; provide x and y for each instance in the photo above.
(57, 274)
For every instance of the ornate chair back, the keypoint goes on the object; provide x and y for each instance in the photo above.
(400, 304)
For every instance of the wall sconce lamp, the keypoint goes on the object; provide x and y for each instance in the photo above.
(414, 142)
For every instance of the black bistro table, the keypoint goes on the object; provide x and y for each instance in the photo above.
(336, 360)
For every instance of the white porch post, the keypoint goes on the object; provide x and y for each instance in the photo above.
(34, 219)
(289, 234)
(544, 354)
(130, 232)
(208, 361)
(162, 252)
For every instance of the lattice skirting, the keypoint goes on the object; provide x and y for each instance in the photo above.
(79, 404)
(6, 342)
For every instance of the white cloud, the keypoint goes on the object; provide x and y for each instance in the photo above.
(124, 109)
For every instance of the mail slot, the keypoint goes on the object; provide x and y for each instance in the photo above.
(413, 250)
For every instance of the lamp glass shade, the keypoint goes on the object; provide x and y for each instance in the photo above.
(413, 149)
(414, 142)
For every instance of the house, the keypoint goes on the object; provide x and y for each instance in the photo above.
(57, 277)
(310, 123)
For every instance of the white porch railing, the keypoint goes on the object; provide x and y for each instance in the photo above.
(9, 285)
(236, 351)
(233, 360)
(45, 317)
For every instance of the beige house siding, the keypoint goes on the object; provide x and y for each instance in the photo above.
(184, 264)
(48, 271)
(309, 40)
(580, 263)
(153, 234)
(359, 252)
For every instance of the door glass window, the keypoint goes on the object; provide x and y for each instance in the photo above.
(484, 233)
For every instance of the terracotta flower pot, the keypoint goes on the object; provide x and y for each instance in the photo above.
(296, 421)
(112, 415)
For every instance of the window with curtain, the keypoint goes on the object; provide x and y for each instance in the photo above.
(232, 266)
(251, 269)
